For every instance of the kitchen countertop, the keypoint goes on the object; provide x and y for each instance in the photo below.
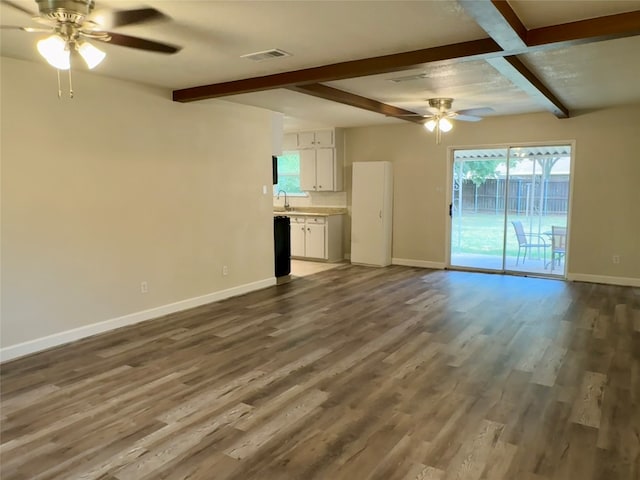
(310, 211)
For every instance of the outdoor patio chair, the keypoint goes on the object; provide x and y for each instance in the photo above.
(527, 241)
(558, 244)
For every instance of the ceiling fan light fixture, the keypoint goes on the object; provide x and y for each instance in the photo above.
(55, 51)
(445, 125)
(90, 54)
(430, 125)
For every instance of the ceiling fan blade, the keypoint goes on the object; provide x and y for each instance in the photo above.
(120, 18)
(139, 43)
(18, 7)
(26, 29)
(467, 118)
(476, 111)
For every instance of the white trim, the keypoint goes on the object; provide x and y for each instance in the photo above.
(43, 343)
(407, 262)
(624, 281)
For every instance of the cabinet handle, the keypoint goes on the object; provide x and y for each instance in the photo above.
(308, 229)
(380, 214)
(302, 229)
(319, 186)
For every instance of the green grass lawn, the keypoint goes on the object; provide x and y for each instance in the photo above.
(482, 234)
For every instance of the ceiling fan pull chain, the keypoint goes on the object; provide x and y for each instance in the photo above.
(59, 87)
(70, 85)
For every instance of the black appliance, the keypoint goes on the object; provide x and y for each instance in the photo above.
(282, 243)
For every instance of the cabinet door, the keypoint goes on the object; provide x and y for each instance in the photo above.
(308, 170)
(297, 239)
(324, 138)
(324, 169)
(306, 139)
(314, 244)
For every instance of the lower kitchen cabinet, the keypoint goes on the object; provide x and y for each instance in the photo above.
(317, 237)
(314, 242)
(298, 236)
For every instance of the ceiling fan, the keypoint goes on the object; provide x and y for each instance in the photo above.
(439, 120)
(72, 22)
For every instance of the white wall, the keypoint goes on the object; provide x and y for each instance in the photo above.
(606, 189)
(121, 185)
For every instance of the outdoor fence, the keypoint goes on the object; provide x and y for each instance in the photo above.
(525, 196)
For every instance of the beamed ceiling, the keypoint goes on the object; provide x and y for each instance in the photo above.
(375, 62)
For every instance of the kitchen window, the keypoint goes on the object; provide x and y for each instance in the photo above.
(289, 174)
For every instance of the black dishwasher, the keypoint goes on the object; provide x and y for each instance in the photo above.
(282, 245)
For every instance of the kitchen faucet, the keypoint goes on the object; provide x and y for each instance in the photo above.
(286, 202)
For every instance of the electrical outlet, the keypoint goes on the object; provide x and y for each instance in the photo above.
(144, 287)
(225, 270)
(264, 189)
(616, 259)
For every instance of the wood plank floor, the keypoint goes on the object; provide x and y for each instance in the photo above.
(352, 373)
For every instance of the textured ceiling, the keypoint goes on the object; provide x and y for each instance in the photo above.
(215, 34)
(534, 14)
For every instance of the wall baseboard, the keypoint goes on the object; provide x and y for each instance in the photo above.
(44, 343)
(407, 262)
(623, 281)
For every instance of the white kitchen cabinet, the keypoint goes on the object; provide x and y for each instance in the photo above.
(317, 170)
(315, 139)
(311, 139)
(325, 166)
(321, 160)
(314, 243)
(308, 170)
(297, 236)
(317, 237)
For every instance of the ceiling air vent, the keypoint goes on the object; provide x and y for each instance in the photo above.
(408, 78)
(266, 55)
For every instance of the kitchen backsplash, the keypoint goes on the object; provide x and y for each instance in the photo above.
(315, 199)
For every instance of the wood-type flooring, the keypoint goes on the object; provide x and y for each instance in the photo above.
(352, 373)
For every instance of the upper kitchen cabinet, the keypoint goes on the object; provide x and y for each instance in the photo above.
(321, 158)
(315, 139)
(318, 170)
(310, 139)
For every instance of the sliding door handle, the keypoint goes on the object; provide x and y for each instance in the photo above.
(450, 209)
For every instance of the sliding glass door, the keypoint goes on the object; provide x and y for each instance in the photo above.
(509, 209)
(477, 209)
